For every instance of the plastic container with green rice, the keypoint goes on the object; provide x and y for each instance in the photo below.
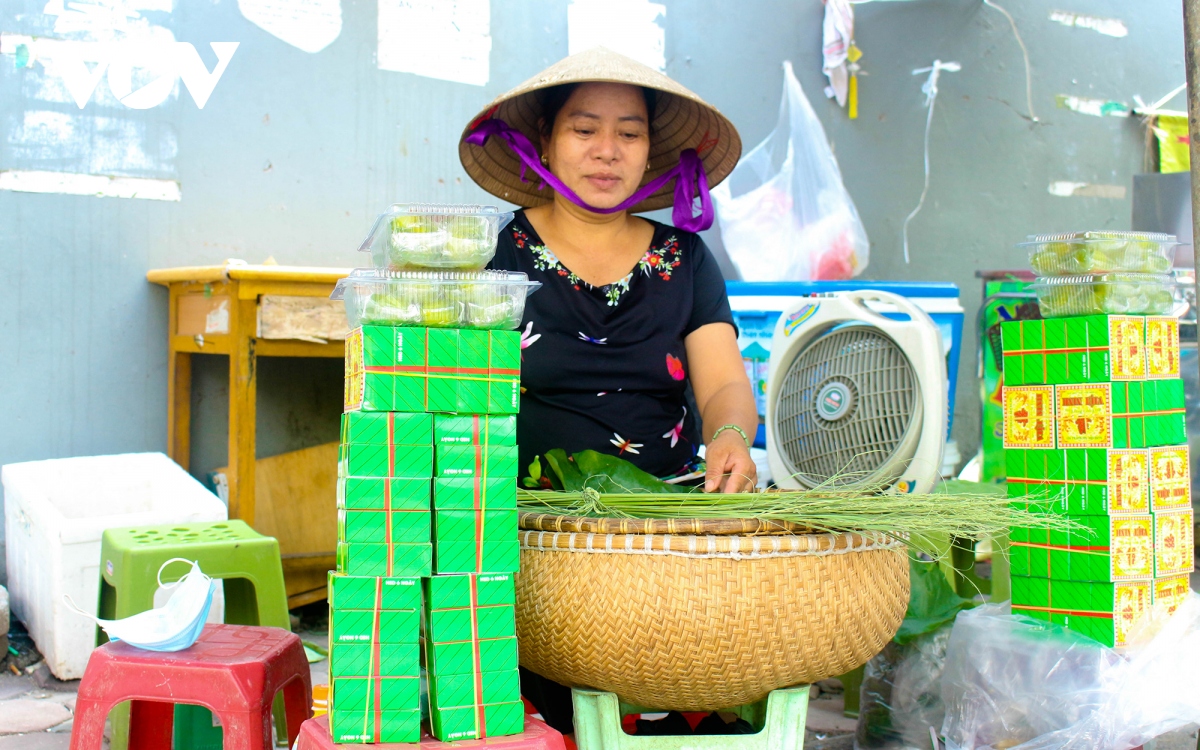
(435, 299)
(1100, 252)
(1110, 293)
(427, 235)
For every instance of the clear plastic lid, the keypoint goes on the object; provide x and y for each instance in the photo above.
(1111, 293)
(429, 235)
(435, 299)
(1076, 253)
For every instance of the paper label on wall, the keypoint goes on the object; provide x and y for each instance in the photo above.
(1170, 478)
(1162, 347)
(309, 25)
(445, 39)
(1083, 415)
(628, 27)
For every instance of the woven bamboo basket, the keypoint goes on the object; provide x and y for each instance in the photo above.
(691, 621)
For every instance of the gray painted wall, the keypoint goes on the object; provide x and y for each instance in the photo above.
(295, 153)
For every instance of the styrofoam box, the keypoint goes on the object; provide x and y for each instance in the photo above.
(55, 513)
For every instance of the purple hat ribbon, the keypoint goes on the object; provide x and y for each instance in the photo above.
(690, 180)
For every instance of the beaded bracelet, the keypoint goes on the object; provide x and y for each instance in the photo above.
(734, 427)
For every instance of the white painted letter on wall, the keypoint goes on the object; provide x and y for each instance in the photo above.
(628, 27)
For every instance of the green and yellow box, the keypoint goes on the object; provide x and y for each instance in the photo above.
(477, 722)
(1106, 612)
(414, 559)
(383, 527)
(1170, 592)
(1134, 414)
(381, 460)
(474, 429)
(474, 493)
(1085, 349)
(359, 727)
(432, 370)
(387, 428)
(374, 592)
(476, 461)
(381, 493)
(1174, 543)
(1079, 482)
(473, 689)
(359, 701)
(1170, 478)
(1102, 549)
(470, 656)
(368, 626)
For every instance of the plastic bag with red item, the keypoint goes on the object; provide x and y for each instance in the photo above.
(784, 212)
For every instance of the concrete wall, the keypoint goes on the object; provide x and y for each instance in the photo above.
(294, 153)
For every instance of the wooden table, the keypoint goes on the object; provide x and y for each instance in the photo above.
(220, 310)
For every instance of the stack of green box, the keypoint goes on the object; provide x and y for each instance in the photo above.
(1094, 432)
(471, 656)
(374, 659)
(427, 473)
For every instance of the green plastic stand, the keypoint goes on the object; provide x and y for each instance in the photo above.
(249, 567)
(598, 725)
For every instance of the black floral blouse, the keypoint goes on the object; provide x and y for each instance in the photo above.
(604, 368)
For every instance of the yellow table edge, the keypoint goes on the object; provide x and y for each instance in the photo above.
(247, 272)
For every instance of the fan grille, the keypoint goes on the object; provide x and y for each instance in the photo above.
(821, 438)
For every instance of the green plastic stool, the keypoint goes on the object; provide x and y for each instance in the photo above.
(598, 725)
(248, 564)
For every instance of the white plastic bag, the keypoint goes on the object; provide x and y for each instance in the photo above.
(1019, 683)
(784, 212)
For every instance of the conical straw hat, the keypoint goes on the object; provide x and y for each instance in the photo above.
(682, 120)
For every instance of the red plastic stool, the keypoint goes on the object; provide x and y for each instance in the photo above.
(314, 735)
(232, 670)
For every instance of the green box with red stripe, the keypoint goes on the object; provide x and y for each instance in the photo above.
(1102, 549)
(477, 557)
(1079, 481)
(368, 626)
(476, 460)
(472, 493)
(359, 727)
(432, 370)
(361, 704)
(383, 460)
(1106, 612)
(387, 428)
(381, 493)
(382, 527)
(474, 429)
(461, 657)
(385, 560)
(1083, 349)
(477, 722)
(369, 592)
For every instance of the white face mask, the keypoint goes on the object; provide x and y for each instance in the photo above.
(172, 627)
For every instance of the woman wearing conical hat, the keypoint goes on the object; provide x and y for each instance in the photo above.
(631, 312)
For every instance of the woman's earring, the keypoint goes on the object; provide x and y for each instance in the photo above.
(647, 166)
(545, 160)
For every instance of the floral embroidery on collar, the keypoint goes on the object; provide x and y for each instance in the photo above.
(659, 259)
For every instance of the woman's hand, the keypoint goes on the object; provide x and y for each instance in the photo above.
(730, 468)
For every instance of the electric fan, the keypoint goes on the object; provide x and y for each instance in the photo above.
(854, 398)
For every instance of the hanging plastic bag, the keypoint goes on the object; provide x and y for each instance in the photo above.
(784, 212)
(1015, 682)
